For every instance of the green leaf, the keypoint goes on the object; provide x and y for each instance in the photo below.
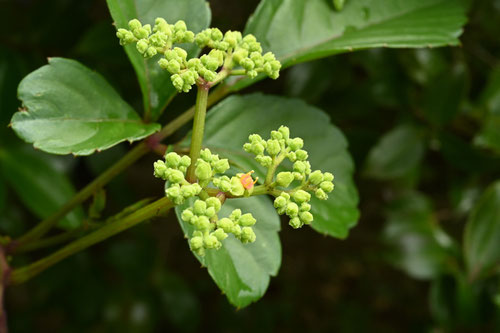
(242, 270)
(482, 233)
(40, 185)
(418, 245)
(231, 121)
(157, 89)
(489, 135)
(70, 109)
(396, 154)
(298, 31)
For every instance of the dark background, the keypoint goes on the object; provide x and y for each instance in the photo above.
(146, 280)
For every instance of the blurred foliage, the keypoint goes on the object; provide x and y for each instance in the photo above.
(423, 128)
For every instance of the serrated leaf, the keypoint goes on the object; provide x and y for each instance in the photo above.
(418, 245)
(482, 233)
(231, 121)
(157, 89)
(396, 154)
(298, 31)
(242, 271)
(39, 184)
(70, 109)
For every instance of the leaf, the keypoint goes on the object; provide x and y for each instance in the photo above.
(231, 121)
(396, 154)
(71, 109)
(39, 184)
(418, 245)
(482, 233)
(489, 135)
(157, 89)
(240, 270)
(444, 94)
(298, 31)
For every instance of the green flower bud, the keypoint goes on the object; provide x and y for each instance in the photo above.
(185, 161)
(210, 212)
(273, 147)
(265, 161)
(328, 177)
(203, 170)
(174, 67)
(211, 242)
(159, 169)
(247, 64)
(301, 196)
(326, 186)
(225, 224)
(316, 177)
(202, 223)
(142, 46)
(252, 74)
(320, 194)
(306, 217)
(174, 194)
(276, 135)
(199, 207)
(299, 166)
(172, 159)
(280, 202)
(187, 214)
(295, 223)
(150, 52)
(163, 63)
(213, 202)
(220, 234)
(221, 166)
(247, 220)
(196, 243)
(134, 24)
(239, 55)
(175, 176)
(285, 131)
(292, 156)
(298, 176)
(305, 207)
(292, 209)
(223, 183)
(177, 82)
(247, 235)
(206, 155)
(237, 187)
(216, 34)
(188, 191)
(301, 155)
(296, 144)
(236, 230)
(235, 215)
(284, 179)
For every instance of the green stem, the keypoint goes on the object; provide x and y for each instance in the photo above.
(43, 227)
(46, 242)
(198, 129)
(272, 169)
(156, 208)
(141, 149)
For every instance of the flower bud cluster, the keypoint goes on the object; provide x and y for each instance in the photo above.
(245, 51)
(296, 206)
(271, 153)
(228, 50)
(156, 40)
(210, 231)
(208, 165)
(173, 170)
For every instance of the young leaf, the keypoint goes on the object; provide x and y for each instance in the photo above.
(313, 29)
(230, 122)
(157, 89)
(418, 245)
(396, 154)
(242, 270)
(70, 109)
(482, 233)
(39, 185)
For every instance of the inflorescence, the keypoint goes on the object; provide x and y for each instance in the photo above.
(228, 51)
(213, 187)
